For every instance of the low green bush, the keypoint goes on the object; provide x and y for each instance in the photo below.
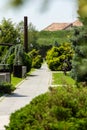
(59, 58)
(26, 61)
(6, 88)
(36, 58)
(62, 108)
(37, 62)
(10, 61)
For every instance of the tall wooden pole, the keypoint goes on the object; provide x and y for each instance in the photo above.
(26, 34)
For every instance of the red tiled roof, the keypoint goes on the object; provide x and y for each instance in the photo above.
(77, 23)
(56, 26)
(62, 26)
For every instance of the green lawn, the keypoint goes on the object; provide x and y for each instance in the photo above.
(59, 79)
(15, 80)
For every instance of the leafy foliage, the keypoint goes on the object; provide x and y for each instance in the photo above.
(79, 62)
(10, 61)
(32, 37)
(82, 10)
(79, 42)
(49, 37)
(6, 88)
(58, 58)
(8, 32)
(36, 58)
(17, 56)
(8, 35)
(27, 61)
(61, 108)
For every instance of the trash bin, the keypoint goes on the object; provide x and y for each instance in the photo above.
(19, 71)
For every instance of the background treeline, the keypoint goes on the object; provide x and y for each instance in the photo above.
(50, 37)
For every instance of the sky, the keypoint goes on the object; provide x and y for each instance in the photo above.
(57, 11)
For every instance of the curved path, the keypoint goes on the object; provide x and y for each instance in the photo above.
(34, 85)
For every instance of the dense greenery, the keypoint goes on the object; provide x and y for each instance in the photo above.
(6, 88)
(36, 58)
(47, 39)
(8, 35)
(82, 10)
(8, 32)
(16, 56)
(32, 37)
(42, 41)
(59, 58)
(79, 63)
(61, 108)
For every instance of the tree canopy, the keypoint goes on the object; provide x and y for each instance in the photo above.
(8, 32)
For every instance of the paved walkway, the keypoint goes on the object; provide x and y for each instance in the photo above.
(35, 84)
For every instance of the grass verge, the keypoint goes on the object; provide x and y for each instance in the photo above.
(60, 79)
(15, 80)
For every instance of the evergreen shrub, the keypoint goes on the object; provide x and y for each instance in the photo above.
(79, 61)
(36, 58)
(10, 61)
(60, 108)
(37, 62)
(6, 88)
(59, 58)
(26, 61)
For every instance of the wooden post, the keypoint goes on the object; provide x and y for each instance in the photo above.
(26, 34)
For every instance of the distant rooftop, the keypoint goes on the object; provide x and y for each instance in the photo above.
(77, 23)
(62, 26)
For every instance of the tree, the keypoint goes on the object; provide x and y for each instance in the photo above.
(79, 62)
(36, 58)
(20, 29)
(79, 42)
(32, 37)
(82, 11)
(8, 32)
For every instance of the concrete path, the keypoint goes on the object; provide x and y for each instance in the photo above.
(34, 85)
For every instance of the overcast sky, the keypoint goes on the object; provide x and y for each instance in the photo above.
(57, 11)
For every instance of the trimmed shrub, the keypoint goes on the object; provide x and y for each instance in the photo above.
(6, 88)
(59, 58)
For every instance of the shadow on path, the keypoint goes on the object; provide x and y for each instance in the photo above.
(32, 75)
(16, 95)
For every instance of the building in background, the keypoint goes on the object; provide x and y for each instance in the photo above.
(62, 26)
